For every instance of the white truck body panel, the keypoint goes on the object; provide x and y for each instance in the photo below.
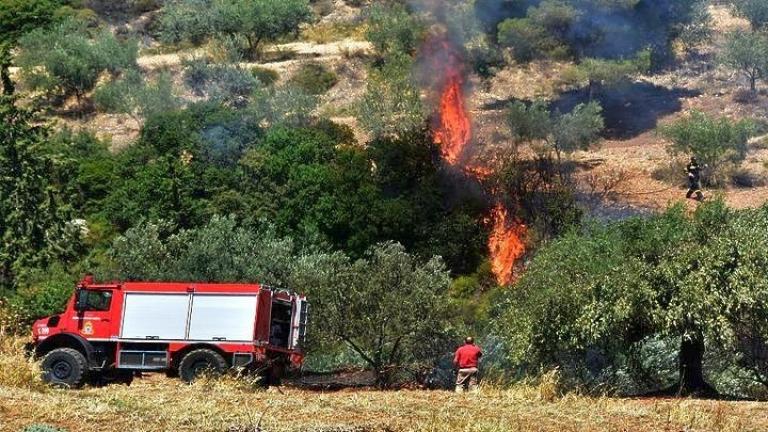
(222, 317)
(155, 316)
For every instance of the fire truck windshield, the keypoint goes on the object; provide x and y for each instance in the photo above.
(93, 300)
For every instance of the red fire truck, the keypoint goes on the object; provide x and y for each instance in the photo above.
(109, 332)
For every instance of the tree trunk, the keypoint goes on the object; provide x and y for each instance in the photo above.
(691, 367)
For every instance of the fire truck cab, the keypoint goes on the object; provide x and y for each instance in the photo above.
(109, 332)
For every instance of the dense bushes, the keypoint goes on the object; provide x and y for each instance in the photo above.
(594, 300)
(314, 78)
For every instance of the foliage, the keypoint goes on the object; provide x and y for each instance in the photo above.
(561, 133)
(41, 293)
(314, 78)
(393, 30)
(699, 30)
(391, 104)
(221, 251)
(220, 82)
(747, 52)
(132, 94)
(41, 427)
(34, 228)
(388, 307)
(597, 74)
(713, 141)
(613, 29)
(265, 76)
(590, 298)
(361, 301)
(66, 60)
(756, 11)
(250, 21)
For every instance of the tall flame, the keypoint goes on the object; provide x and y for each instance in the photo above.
(453, 133)
(454, 130)
(505, 244)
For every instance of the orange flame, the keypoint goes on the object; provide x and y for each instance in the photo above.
(453, 133)
(505, 244)
(455, 130)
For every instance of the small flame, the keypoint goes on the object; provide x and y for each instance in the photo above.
(505, 244)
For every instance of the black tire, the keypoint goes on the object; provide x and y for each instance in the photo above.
(200, 361)
(65, 367)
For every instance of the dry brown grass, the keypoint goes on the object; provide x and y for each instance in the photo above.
(160, 404)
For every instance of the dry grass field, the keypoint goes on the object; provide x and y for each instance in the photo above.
(157, 403)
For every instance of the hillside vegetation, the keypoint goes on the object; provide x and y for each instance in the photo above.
(423, 170)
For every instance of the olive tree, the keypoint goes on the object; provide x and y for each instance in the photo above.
(391, 104)
(713, 141)
(756, 11)
(252, 21)
(562, 133)
(132, 94)
(66, 60)
(388, 307)
(747, 52)
(593, 297)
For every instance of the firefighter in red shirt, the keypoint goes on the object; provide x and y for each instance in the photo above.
(466, 360)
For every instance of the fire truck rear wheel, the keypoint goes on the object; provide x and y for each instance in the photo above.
(65, 367)
(201, 361)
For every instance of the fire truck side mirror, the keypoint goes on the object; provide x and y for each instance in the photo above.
(81, 300)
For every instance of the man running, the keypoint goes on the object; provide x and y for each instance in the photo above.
(467, 359)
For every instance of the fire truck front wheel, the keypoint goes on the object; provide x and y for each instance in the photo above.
(65, 367)
(201, 361)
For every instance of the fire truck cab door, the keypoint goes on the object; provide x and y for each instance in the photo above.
(94, 313)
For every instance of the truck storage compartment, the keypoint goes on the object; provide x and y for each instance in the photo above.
(133, 359)
(222, 317)
(155, 316)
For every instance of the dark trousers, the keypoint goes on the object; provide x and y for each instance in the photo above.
(694, 187)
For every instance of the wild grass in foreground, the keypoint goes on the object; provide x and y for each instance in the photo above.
(156, 403)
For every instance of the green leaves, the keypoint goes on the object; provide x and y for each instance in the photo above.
(248, 22)
(66, 60)
(714, 141)
(610, 287)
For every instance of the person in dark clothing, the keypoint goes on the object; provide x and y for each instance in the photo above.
(693, 169)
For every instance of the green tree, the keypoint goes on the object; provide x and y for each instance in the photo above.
(391, 104)
(747, 52)
(18, 17)
(562, 133)
(133, 95)
(756, 11)
(699, 30)
(393, 30)
(66, 60)
(34, 228)
(604, 292)
(389, 307)
(252, 21)
(713, 141)
(597, 74)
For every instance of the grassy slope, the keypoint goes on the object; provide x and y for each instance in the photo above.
(167, 405)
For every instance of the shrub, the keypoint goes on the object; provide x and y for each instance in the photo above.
(250, 21)
(265, 76)
(67, 60)
(221, 82)
(392, 30)
(715, 142)
(314, 78)
(133, 95)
